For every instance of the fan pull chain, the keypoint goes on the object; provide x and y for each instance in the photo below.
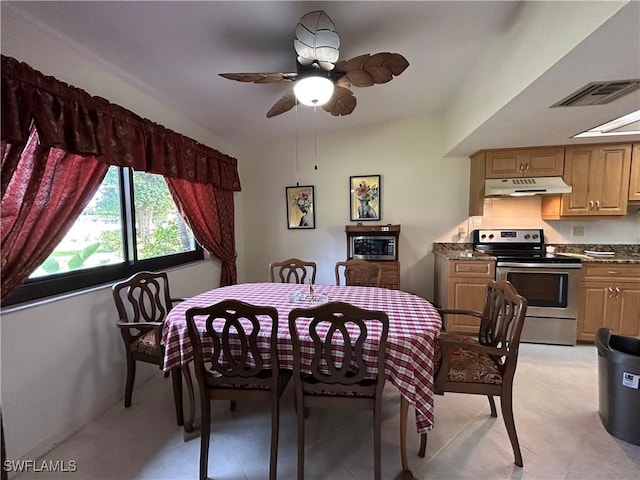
(315, 139)
(297, 153)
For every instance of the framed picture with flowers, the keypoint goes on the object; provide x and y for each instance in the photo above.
(364, 195)
(300, 207)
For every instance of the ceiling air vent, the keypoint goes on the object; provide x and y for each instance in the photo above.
(599, 93)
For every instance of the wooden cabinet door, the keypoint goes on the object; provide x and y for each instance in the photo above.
(595, 310)
(467, 294)
(527, 162)
(544, 162)
(599, 175)
(504, 164)
(613, 185)
(592, 312)
(634, 180)
(629, 309)
(577, 170)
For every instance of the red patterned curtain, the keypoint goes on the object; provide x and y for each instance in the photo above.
(45, 193)
(198, 203)
(78, 137)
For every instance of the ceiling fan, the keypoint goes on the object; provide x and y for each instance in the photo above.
(320, 78)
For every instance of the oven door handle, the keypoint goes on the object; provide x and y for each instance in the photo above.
(546, 266)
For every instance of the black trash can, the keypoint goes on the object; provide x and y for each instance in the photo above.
(619, 384)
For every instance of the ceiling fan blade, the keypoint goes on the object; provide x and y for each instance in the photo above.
(316, 40)
(260, 77)
(343, 102)
(286, 103)
(366, 70)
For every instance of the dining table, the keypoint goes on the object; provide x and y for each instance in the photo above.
(414, 327)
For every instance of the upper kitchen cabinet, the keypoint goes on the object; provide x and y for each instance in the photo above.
(527, 162)
(634, 181)
(599, 175)
(510, 163)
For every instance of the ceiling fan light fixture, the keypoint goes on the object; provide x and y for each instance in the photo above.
(313, 90)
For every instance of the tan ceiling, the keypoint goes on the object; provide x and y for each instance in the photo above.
(174, 51)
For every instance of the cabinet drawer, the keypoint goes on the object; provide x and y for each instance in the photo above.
(472, 268)
(610, 271)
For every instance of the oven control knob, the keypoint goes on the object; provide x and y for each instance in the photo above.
(483, 236)
(490, 235)
(527, 236)
(535, 235)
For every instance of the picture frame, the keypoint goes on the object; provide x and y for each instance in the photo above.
(365, 198)
(301, 212)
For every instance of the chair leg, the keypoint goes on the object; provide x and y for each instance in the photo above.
(131, 376)
(205, 433)
(275, 424)
(377, 420)
(507, 413)
(176, 378)
(186, 372)
(300, 409)
(492, 404)
(404, 412)
(423, 445)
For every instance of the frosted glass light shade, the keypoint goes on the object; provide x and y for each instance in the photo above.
(313, 91)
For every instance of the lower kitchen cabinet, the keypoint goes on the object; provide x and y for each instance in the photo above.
(610, 297)
(461, 284)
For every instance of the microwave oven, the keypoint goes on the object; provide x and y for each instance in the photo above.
(373, 247)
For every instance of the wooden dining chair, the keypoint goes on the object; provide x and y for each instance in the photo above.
(292, 270)
(315, 334)
(359, 273)
(486, 365)
(236, 366)
(143, 302)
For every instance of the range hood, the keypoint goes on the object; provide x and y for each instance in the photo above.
(525, 186)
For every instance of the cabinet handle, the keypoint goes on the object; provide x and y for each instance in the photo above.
(617, 291)
(521, 169)
(597, 204)
(526, 167)
(610, 292)
(613, 272)
(590, 204)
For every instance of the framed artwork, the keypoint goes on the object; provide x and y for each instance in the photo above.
(364, 198)
(300, 207)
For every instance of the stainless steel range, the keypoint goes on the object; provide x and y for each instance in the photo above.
(549, 283)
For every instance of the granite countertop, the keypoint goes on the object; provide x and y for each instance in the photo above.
(624, 253)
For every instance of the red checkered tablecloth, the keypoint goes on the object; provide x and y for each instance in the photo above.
(414, 326)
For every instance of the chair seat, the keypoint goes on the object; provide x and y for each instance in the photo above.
(283, 378)
(146, 344)
(467, 365)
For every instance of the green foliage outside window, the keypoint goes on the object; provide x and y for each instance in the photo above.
(97, 237)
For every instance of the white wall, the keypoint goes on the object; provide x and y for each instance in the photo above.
(424, 193)
(62, 362)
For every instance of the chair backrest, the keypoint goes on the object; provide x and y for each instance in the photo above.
(232, 336)
(293, 270)
(502, 320)
(333, 327)
(360, 273)
(143, 297)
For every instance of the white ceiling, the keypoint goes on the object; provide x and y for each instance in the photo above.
(175, 50)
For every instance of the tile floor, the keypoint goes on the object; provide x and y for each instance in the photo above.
(556, 404)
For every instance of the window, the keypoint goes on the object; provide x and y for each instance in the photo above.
(131, 224)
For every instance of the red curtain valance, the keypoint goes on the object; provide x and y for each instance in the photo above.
(69, 118)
